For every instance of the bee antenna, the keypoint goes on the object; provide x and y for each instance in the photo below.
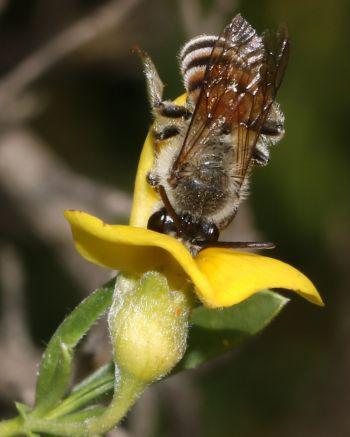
(235, 245)
(171, 211)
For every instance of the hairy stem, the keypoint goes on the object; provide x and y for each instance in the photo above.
(11, 427)
(129, 390)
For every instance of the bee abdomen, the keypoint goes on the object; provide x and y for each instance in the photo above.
(194, 58)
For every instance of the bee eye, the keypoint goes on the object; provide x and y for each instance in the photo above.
(168, 225)
(210, 231)
(161, 222)
(156, 221)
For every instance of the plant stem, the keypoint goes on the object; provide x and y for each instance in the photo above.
(11, 427)
(127, 393)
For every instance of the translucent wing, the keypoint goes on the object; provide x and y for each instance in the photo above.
(240, 83)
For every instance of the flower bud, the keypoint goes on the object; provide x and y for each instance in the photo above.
(148, 324)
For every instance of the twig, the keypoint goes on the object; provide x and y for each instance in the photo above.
(3, 4)
(13, 323)
(80, 33)
(18, 355)
(196, 22)
(42, 187)
(143, 417)
(191, 16)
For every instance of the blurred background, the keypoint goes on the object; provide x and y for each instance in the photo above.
(73, 116)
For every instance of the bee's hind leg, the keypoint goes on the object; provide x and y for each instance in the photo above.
(171, 110)
(154, 83)
(155, 89)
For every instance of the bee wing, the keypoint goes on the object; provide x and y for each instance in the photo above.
(242, 76)
(259, 101)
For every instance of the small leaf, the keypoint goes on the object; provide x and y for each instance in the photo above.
(61, 374)
(22, 409)
(87, 413)
(216, 331)
(86, 392)
(101, 375)
(55, 369)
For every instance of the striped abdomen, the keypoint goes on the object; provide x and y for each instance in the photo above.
(194, 58)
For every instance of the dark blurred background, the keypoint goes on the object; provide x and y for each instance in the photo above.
(73, 116)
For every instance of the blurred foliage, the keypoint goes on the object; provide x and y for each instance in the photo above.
(291, 380)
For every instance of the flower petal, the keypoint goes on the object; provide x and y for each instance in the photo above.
(133, 250)
(234, 276)
(221, 277)
(145, 196)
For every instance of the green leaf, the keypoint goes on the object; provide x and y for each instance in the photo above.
(22, 409)
(56, 365)
(100, 376)
(216, 331)
(86, 392)
(82, 415)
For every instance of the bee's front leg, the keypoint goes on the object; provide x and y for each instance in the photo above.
(152, 179)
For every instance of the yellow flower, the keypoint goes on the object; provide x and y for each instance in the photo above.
(221, 277)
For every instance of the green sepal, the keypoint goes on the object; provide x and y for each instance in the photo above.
(212, 333)
(216, 331)
(56, 366)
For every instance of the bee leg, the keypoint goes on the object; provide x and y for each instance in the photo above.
(261, 153)
(170, 110)
(152, 179)
(166, 132)
(154, 83)
(168, 206)
(155, 89)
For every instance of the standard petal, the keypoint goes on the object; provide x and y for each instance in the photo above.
(145, 196)
(234, 276)
(133, 250)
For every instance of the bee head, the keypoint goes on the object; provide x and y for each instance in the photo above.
(186, 227)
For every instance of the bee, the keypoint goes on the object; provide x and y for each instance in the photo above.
(205, 149)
